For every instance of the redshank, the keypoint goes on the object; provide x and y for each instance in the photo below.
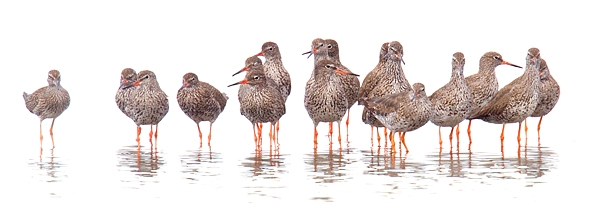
(275, 70)
(319, 50)
(200, 101)
(549, 94)
(261, 102)
(325, 99)
(350, 83)
(128, 77)
(369, 82)
(515, 101)
(48, 102)
(253, 62)
(403, 111)
(484, 84)
(452, 102)
(391, 78)
(148, 104)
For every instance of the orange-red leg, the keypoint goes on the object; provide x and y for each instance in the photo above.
(151, 133)
(260, 127)
(378, 138)
(51, 133)
(209, 134)
(403, 142)
(526, 128)
(199, 133)
(41, 136)
(451, 131)
(339, 134)
(139, 131)
(331, 128)
(469, 131)
(347, 122)
(519, 135)
(539, 125)
(316, 134)
(385, 131)
(271, 135)
(502, 137)
(457, 130)
(393, 142)
(440, 135)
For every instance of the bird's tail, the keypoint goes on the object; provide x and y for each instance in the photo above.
(25, 96)
(225, 95)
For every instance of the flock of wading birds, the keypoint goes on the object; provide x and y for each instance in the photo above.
(389, 100)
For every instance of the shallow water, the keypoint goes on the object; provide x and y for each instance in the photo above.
(96, 157)
(176, 168)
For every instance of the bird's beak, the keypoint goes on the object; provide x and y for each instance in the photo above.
(345, 72)
(185, 85)
(511, 64)
(310, 53)
(242, 70)
(136, 83)
(123, 82)
(399, 56)
(245, 81)
(56, 83)
(260, 54)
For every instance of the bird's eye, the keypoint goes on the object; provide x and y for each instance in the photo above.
(256, 77)
(497, 57)
(328, 66)
(329, 46)
(270, 48)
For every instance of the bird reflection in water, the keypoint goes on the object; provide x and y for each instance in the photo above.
(50, 167)
(264, 165)
(140, 161)
(198, 164)
(328, 166)
(489, 166)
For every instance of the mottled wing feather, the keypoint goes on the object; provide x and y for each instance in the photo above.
(31, 100)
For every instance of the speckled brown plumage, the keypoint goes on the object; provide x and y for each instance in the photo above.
(200, 101)
(391, 79)
(403, 111)
(548, 96)
(350, 83)
(319, 50)
(484, 84)
(452, 102)
(49, 101)
(261, 102)
(148, 104)
(517, 100)
(325, 99)
(128, 77)
(274, 68)
(369, 82)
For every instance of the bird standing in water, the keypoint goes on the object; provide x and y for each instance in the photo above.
(274, 69)
(484, 84)
(148, 104)
(324, 97)
(549, 94)
(200, 101)
(403, 111)
(369, 82)
(260, 102)
(515, 101)
(48, 102)
(452, 102)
